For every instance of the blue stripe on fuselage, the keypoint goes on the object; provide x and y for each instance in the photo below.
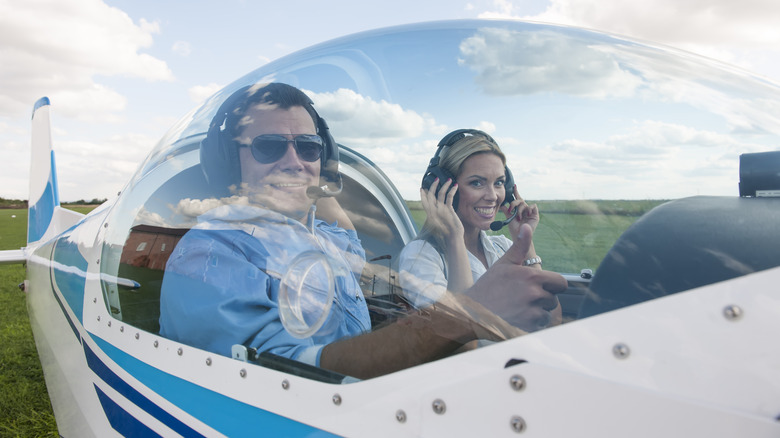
(121, 420)
(134, 396)
(226, 415)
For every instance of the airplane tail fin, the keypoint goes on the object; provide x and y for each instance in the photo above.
(44, 193)
(45, 216)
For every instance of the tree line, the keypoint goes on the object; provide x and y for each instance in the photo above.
(22, 203)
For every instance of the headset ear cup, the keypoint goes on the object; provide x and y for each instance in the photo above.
(218, 155)
(509, 186)
(219, 160)
(430, 176)
(232, 161)
(329, 169)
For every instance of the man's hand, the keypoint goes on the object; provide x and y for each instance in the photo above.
(523, 296)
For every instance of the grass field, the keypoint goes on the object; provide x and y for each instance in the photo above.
(572, 235)
(25, 410)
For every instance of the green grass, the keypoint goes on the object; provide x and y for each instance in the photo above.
(574, 235)
(25, 410)
(571, 242)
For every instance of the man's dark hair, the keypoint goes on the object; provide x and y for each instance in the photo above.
(282, 95)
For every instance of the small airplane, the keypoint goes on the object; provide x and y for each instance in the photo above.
(672, 334)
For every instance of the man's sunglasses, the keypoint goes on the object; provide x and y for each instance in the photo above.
(269, 148)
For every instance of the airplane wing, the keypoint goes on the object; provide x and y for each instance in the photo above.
(12, 256)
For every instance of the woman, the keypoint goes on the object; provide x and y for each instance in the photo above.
(452, 251)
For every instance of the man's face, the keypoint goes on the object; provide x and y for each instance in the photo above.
(281, 185)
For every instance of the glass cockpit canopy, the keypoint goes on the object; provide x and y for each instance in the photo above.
(597, 129)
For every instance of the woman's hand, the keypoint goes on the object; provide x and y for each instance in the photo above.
(441, 217)
(526, 214)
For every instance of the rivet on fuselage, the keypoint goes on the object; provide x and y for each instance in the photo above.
(517, 424)
(98, 318)
(180, 351)
(242, 373)
(621, 351)
(109, 323)
(122, 329)
(156, 343)
(285, 384)
(208, 361)
(94, 300)
(517, 382)
(336, 399)
(439, 406)
(400, 416)
(732, 312)
(137, 335)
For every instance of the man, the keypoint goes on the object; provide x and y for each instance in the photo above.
(223, 281)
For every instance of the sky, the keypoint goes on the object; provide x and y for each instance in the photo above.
(119, 73)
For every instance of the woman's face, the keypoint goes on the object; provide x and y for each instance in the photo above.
(481, 190)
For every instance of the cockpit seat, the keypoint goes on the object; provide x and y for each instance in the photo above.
(684, 244)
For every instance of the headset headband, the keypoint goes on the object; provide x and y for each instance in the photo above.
(451, 138)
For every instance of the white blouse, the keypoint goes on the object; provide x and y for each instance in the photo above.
(423, 269)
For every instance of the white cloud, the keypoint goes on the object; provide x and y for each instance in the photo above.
(192, 208)
(682, 22)
(200, 93)
(690, 80)
(551, 63)
(82, 103)
(55, 47)
(650, 159)
(360, 120)
(146, 217)
(181, 48)
(744, 33)
(487, 127)
(149, 26)
(118, 156)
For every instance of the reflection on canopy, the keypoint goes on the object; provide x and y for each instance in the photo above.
(584, 119)
(580, 114)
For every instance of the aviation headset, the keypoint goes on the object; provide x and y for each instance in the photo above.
(436, 171)
(219, 156)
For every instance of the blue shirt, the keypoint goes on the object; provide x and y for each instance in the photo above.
(222, 282)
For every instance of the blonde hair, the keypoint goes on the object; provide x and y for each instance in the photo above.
(451, 159)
